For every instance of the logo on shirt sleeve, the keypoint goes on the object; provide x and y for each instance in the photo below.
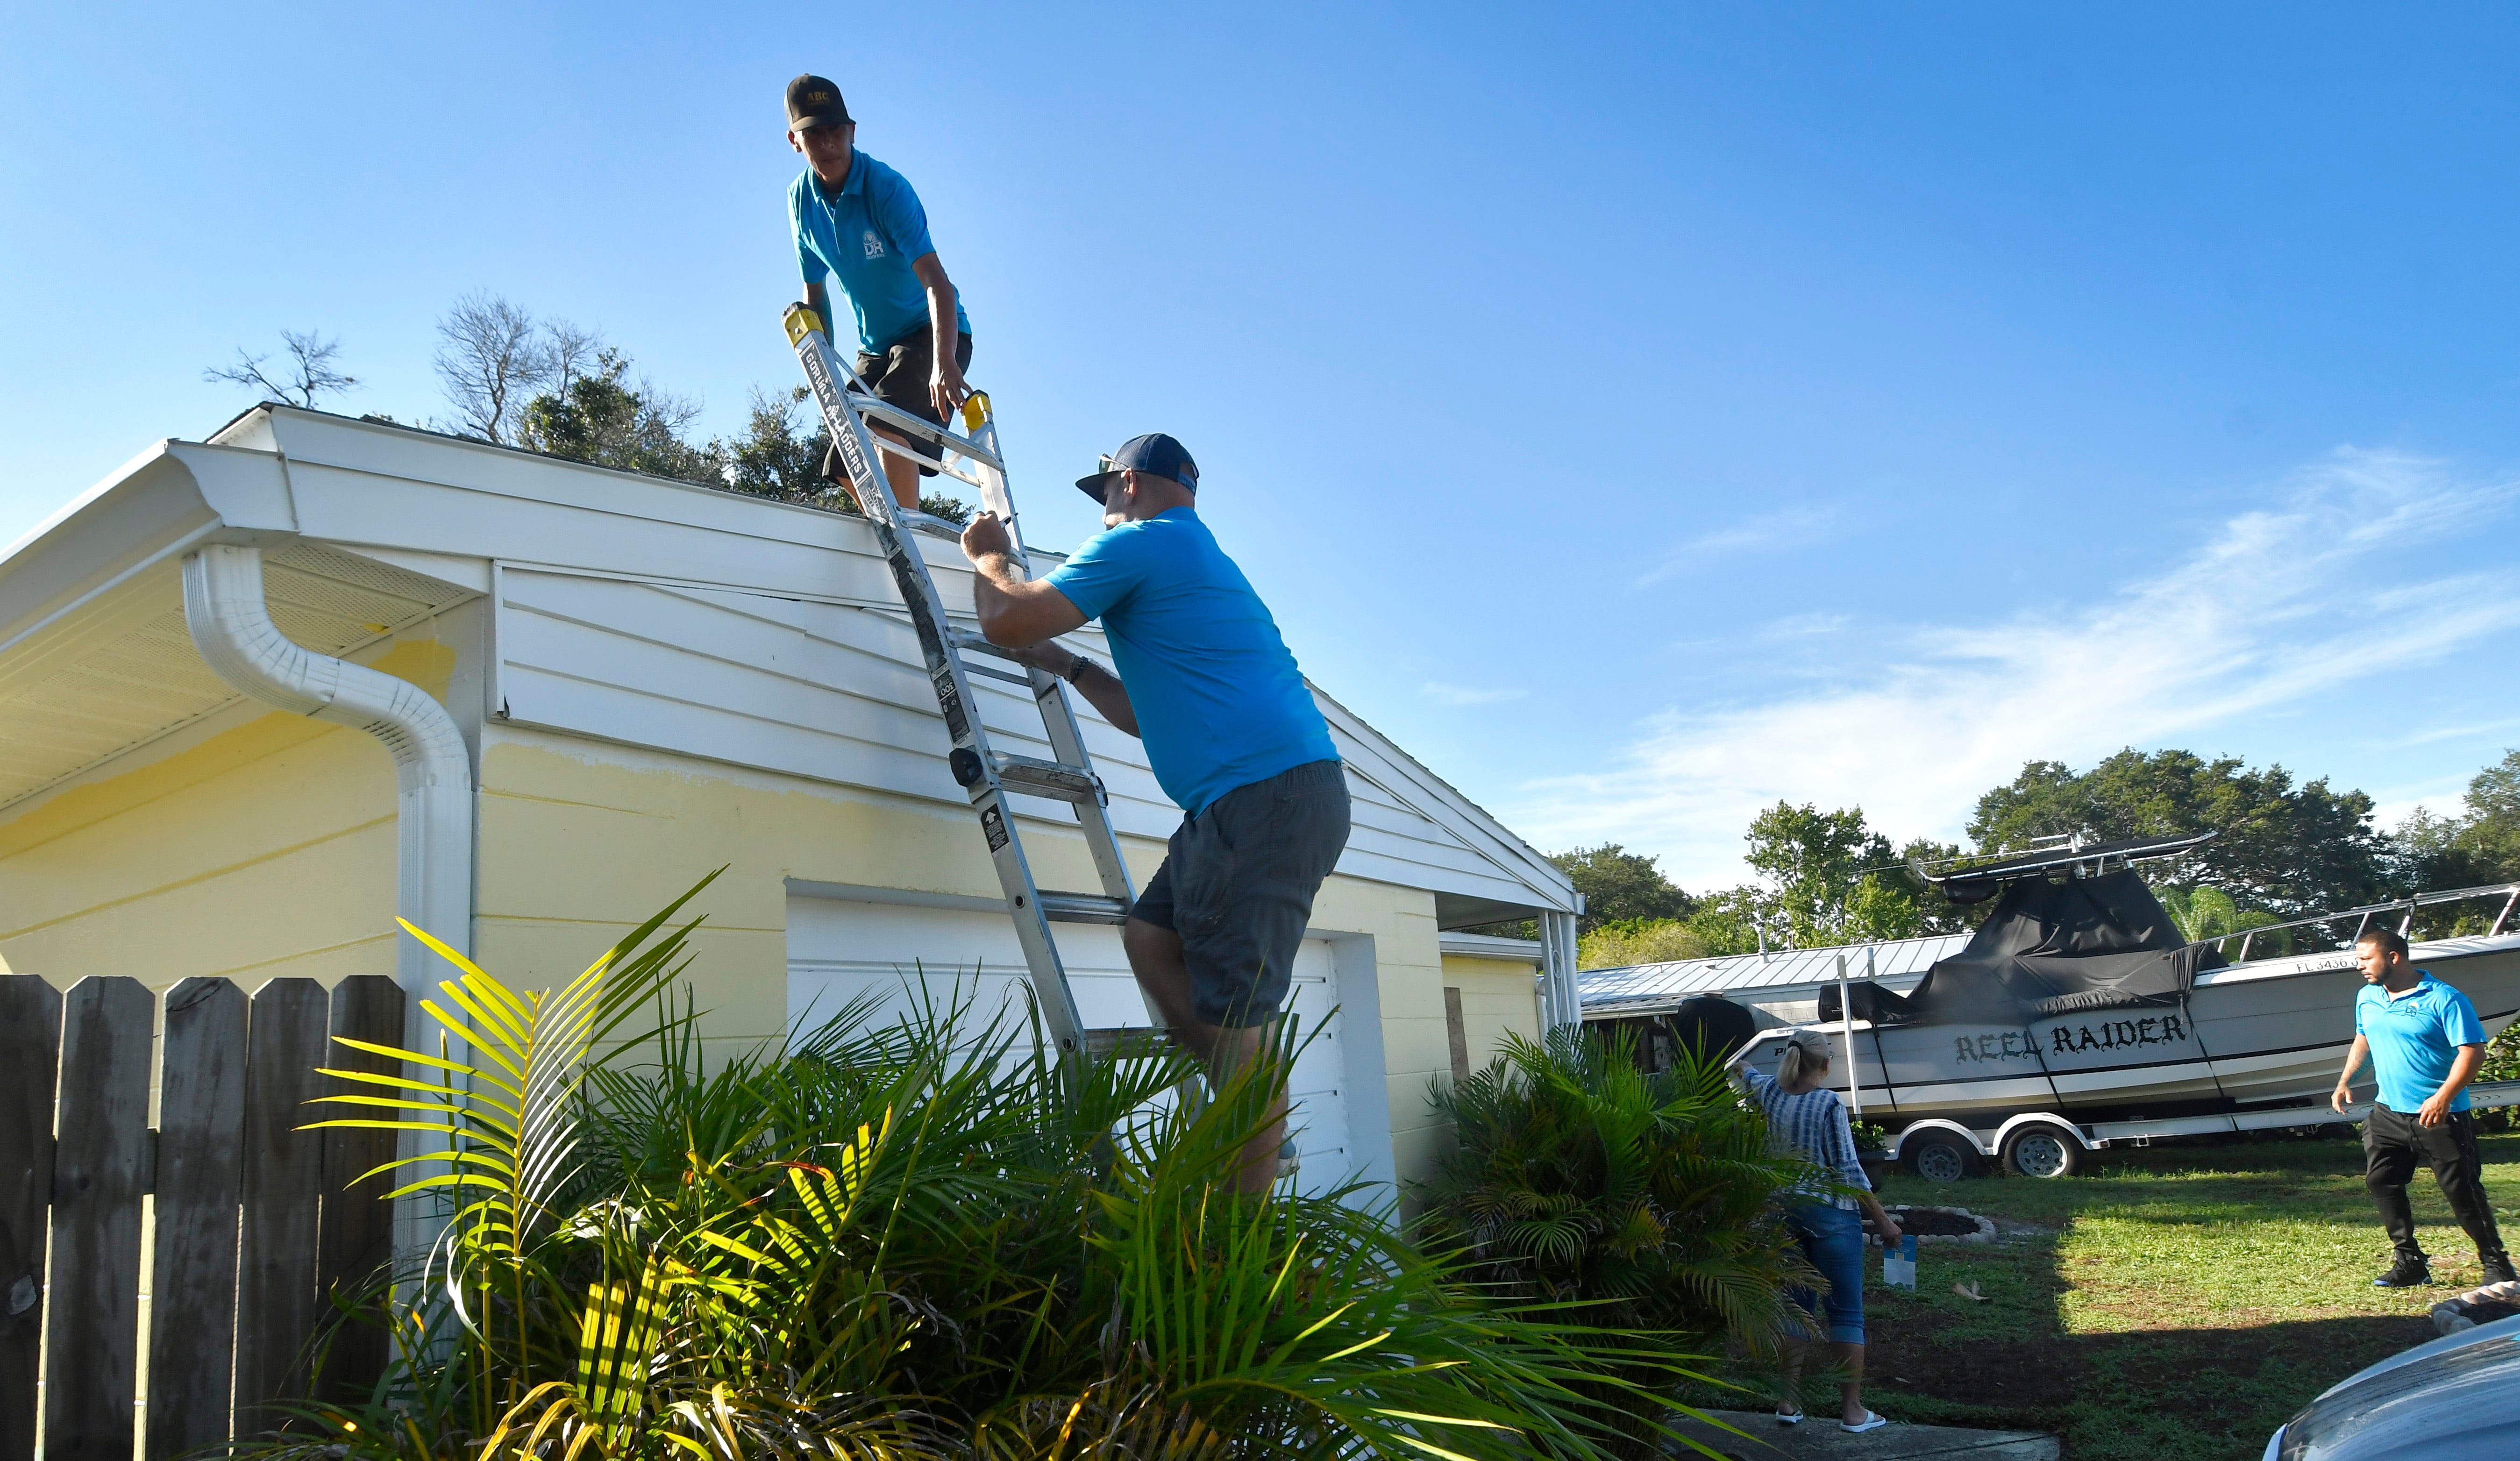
(873, 244)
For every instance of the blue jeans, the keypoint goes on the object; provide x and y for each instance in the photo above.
(1832, 1238)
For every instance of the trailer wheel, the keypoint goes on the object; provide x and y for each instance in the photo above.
(1939, 1156)
(2041, 1151)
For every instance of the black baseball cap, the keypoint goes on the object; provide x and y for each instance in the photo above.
(813, 102)
(1154, 453)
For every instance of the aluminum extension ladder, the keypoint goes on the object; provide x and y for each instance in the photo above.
(988, 775)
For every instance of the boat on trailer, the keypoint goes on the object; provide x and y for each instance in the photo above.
(2076, 1015)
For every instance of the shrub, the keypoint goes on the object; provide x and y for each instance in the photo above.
(1578, 1176)
(916, 1239)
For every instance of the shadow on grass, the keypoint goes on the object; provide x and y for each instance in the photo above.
(2176, 1304)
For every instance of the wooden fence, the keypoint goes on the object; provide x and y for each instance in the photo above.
(254, 1230)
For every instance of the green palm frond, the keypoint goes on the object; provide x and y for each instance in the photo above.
(508, 1114)
(897, 1238)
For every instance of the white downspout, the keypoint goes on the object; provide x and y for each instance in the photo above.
(231, 625)
(232, 628)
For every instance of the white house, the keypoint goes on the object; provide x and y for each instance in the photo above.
(599, 687)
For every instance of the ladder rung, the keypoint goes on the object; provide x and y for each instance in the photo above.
(976, 644)
(1083, 907)
(1140, 1041)
(1053, 779)
(919, 522)
(1012, 677)
(920, 427)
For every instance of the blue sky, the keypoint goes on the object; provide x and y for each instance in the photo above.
(1641, 413)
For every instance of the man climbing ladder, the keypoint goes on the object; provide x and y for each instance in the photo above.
(1206, 682)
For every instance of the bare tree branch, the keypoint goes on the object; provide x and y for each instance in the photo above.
(490, 360)
(569, 347)
(309, 377)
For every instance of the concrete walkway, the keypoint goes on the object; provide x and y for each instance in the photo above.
(1820, 1438)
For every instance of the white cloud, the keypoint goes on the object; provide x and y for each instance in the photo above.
(1470, 694)
(1803, 626)
(2275, 608)
(1797, 527)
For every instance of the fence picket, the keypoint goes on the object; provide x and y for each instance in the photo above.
(278, 1308)
(358, 1227)
(201, 1174)
(94, 1321)
(30, 1034)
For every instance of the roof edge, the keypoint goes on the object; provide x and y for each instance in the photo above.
(160, 504)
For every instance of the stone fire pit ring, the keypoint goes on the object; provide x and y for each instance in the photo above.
(1936, 1224)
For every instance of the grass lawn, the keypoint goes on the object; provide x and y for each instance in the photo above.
(2174, 1303)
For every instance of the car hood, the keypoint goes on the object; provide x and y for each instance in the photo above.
(2451, 1399)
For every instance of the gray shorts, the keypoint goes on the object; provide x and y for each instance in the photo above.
(1238, 884)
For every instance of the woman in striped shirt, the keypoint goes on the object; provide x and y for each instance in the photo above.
(1806, 1117)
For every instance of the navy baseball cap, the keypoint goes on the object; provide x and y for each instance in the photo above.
(1154, 453)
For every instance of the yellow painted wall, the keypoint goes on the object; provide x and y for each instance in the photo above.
(1498, 995)
(265, 850)
(268, 850)
(580, 841)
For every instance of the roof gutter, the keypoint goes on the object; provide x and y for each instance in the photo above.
(231, 625)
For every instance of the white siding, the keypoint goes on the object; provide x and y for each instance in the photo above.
(833, 692)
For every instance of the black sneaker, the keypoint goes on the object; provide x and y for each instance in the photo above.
(2498, 1269)
(2406, 1273)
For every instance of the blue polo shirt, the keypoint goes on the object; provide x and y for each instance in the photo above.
(2414, 1037)
(1220, 704)
(869, 236)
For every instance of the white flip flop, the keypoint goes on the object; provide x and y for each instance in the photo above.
(1870, 1422)
(1789, 1418)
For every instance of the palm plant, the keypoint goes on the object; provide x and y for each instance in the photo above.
(1579, 1176)
(2205, 912)
(509, 1116)
(919, 1238)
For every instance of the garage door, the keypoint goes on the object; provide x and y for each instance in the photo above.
(839, 950)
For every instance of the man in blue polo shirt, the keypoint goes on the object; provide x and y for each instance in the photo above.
(853, 216)
(2426, 1042)
(1231, 729)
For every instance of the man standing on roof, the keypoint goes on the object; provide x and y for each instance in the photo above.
(857, 218)
(1231, 729)
(2424, 1041)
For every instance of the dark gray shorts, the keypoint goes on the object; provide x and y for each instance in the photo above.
(1238, 884)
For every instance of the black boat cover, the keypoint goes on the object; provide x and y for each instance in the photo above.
(1708, 1024)
(2049, 949)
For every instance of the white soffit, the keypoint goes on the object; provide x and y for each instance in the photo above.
(136, 676)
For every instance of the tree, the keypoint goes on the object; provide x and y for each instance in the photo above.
(1831, 878)
(1813, 861)
(1620, 887)
(491, 357)
(551, 387)
(308, 376)
(2479, 843)
(599, 418)
(2283, 850)
(1730, 922)
(1645, 941)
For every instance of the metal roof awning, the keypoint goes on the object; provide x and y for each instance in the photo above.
(1655, 988)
